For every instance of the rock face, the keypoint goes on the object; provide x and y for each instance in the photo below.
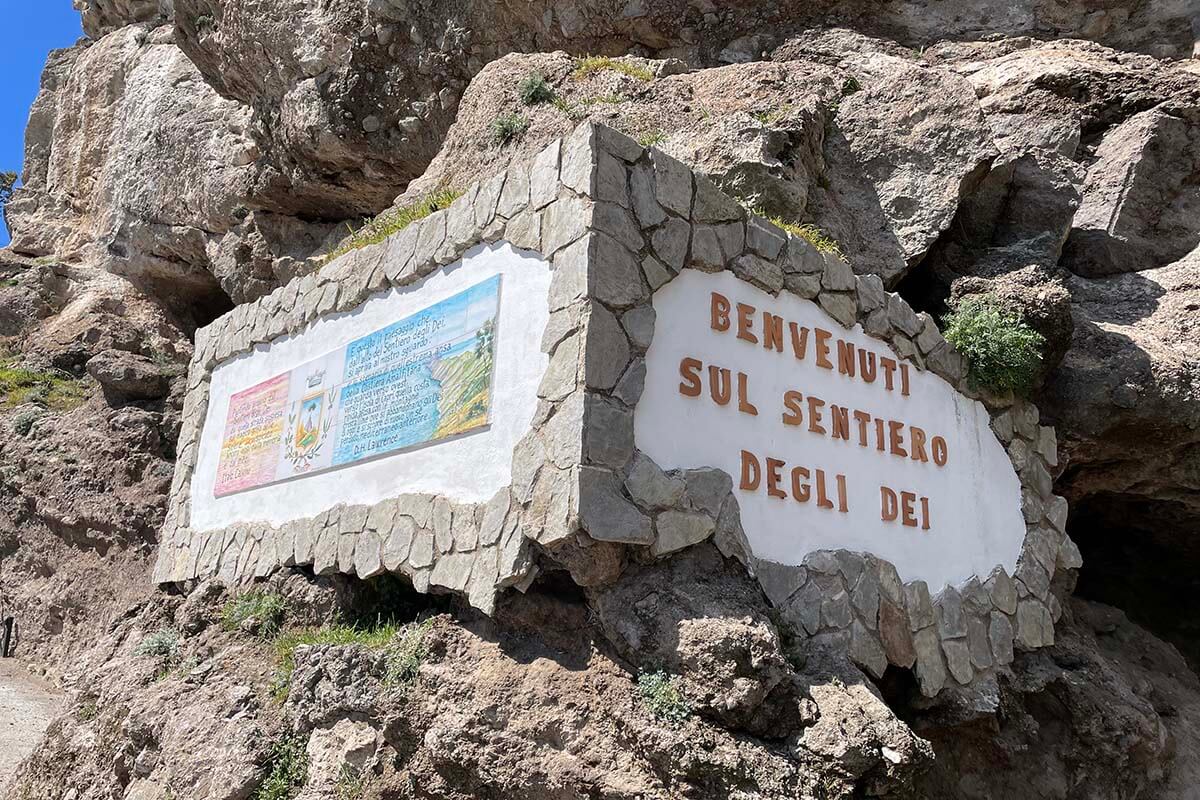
(196, 154)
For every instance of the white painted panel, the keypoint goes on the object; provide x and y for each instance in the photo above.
(471, 468)
(975, 520)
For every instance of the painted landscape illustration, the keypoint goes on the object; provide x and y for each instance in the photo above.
(425, 378)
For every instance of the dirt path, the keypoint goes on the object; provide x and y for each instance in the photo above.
(26, 706)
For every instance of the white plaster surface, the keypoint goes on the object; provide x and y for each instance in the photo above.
(471, 468)
(975, 499)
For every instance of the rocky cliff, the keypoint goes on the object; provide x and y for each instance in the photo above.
(191, 156)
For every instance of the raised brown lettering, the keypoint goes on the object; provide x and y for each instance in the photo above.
(862, 418)
(744, 404)
(814, 414)
(823, 500)
(907, 510)
(794, 413)
(774, 476)
(924, 513)
(799, 340)
(889, 508)
(720, 312)
(917, 443)
(904, 379)
(940, 452)
(866, 365)
(751, 472)
(719, 384)
(889, 371)
(745, 323)
(839, 422)
(822, 338)
(845, 358)
(842, 504)
(895, 440)
(801, 491)
(689, 370)
(879, 437)
(772, 332)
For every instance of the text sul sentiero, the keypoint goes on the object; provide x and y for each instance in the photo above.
(840, 423)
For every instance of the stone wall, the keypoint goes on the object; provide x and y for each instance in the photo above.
(616, 222)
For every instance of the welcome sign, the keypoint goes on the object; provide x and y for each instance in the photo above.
(423, 379)
(833, 441)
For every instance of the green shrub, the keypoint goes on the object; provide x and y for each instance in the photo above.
(393, 221)
(652, 138)
(507, 127)
(163, 644)
(406, 654)
(534, 90)
(850, 86)
(810, 233)
(593, 64)
(662, 696)
(267, 609)
(23, 423)
(1003, 353)
(351, 784)
(287, 769)
(51, 389)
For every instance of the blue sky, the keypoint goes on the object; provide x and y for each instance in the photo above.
(32, 29)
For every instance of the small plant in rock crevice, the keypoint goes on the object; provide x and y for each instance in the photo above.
(1003, 353)
(351, 784)
(163, 645)
(287, 769)
(590, 65)
(392, 221)
(663, 697)
(819, 239)
(405, 655)
(264, 610)
(535, 90)
(507, 127)
(652, 138)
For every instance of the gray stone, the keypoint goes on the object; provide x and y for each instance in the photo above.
(642, 194)
(837, 275)
(679, 529)
(421, 554)
(1035, 628)
(947, 362)
(465, 529)
(564, 221)
(835, 610)
(732, 239)
(764, 239)
(494, 515)
(895, 634)
(524, 231)
(930, 669)
(850, 566)
(367, 557)
(919, 606)
(616, 275)
(561, 377)
(347, 545)
(618, 144)
(673, 184)
(430, 238)
(639, 325)
(901, 315)
(514, 197)
(607, 433)
(615, 221)
(604, 512)
(443, 525)
(779, 581)
(729, 537)
(562, 323)
(1032, 507)
(958, 659)
(612, 183)
(325, 556)
(670, 242)
(707, 489)
(656, 273)
(1069, 556)
(606, 354)
(1047, 446)
(1038, 477)
(866, 650)
(929, 337)
(822, 561)
(563, 434)
(452, 571)
(977, 642)
(528, 458)
(487, 199)
(951, 622)
(806, 286)
(629, 389)
(766, 275)
(706, 249)
(805, 607)
(865, 598)
(1056, 512)
(1000, 634)
(713, 205)
(398, 543)
(871, 294)
(1033, 575)
(417, 506)
(839, 306)
(543, 176)
(876, 324)
(578, 160)
(650, 487)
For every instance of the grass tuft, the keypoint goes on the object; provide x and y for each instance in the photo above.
(288, 769)
(663, 697)
(810, 233)
(393, 221)
(1003, 353)
(266, 609)
(593, 64)
(535, 90)
(50, 389)
(406, 653)
(507, 127)
(652, 138)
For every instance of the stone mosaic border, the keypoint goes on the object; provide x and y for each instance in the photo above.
(616, 222)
